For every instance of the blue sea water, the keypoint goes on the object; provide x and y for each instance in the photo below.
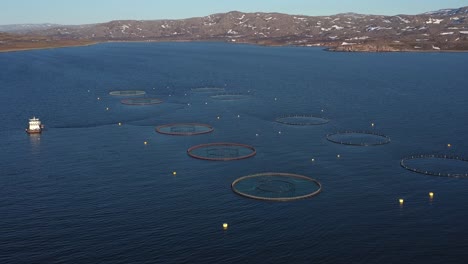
(90, 191)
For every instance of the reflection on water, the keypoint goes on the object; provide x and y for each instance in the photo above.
(35, 142)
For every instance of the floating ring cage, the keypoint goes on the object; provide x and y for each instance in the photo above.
(221, 151)
(208, 90)
(141, 101)
(276, 186)
(127, 93)
(437, 165)
(184, 129)
(358, 138)
(230, 96)
(302, 120)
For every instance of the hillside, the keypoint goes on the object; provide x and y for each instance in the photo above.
(433, 31)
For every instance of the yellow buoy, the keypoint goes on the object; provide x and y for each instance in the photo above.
(225, 226)
(372, 124)
(99, 98)
(313, 160)
(431, 195)
(120, 124)
(174, 173)
(401, 201)
(449, 145)
(107, 108)
(218, 117)
(338, 156)
(146, 142)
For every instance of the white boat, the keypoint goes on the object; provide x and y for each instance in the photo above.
(35, 126)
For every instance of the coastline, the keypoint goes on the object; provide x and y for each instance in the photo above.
(325, 48)
(71, 45)
(328, 49)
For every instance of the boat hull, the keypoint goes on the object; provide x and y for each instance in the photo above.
(36, 131)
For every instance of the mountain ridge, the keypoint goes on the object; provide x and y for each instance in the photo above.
(445, 29)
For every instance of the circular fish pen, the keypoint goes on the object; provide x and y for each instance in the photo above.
(302, 120)
(141, 101)
(184, 129)
(230, 96)
(358, 138)
(127, 93)
(207, 90)
(221, 151)
(276, 186)
(437, 165)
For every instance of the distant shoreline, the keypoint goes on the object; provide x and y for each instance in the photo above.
(325, 48)
(397, 51)
(18, 49)
(438, 31)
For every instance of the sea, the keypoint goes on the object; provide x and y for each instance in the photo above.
(88, 190)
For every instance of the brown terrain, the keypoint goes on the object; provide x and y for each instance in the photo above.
(443, 30)
(13, 42)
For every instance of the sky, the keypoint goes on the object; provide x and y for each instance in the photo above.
(97, 11)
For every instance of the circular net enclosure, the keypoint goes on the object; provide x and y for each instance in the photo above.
(302, 120)
(127, 93)
(275, 186)
(207, 90)
(358, 138)
(230, 96)
(437, 165)
(184, 129)
(141, 101)
(221, 151)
